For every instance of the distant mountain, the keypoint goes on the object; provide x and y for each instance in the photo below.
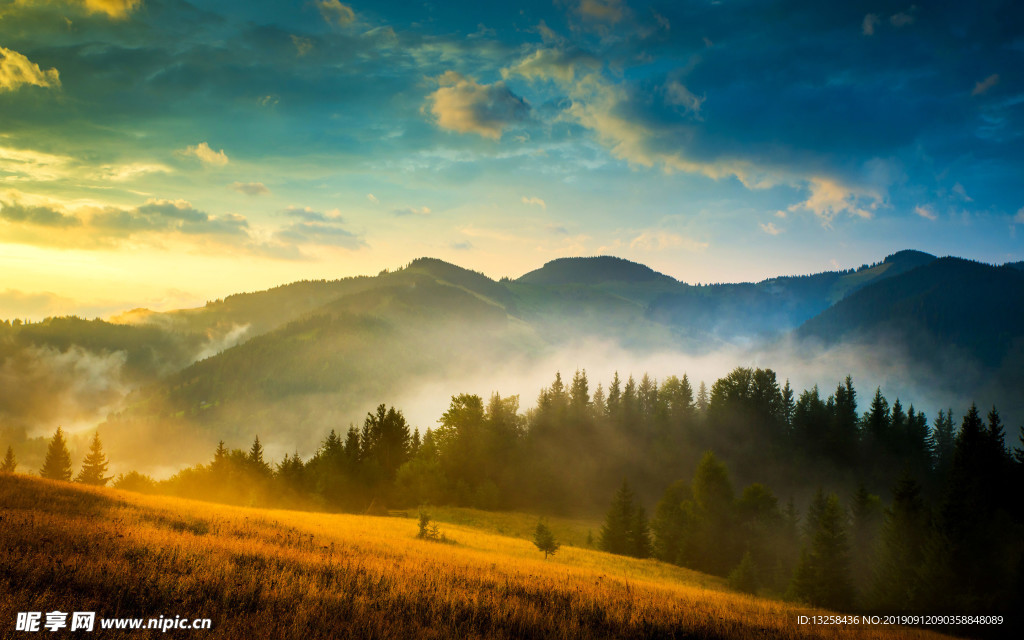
(593, 271)
(959, 323)
(772, 306)
(300, 359)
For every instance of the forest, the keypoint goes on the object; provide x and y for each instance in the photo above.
(880, 510)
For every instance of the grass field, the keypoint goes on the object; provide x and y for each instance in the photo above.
(287, 574)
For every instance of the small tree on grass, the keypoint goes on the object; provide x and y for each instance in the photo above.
(94, 467)
(57, 465)
(9, 463)
(744, 576)
(545, 540)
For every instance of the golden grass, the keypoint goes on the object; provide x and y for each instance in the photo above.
(287, 574)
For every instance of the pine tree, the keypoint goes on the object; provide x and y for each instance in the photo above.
(94, 467)
(702, 399)
(57, 465)
(255, 457)
(898, 584)
(9, 463)
(640, 534)
(545, 540)
(615, 534)
(944, 441)
(822, 577)
(744, 576)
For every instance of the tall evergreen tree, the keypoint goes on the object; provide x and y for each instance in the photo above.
(944, 440)
(10, 463)
(255, 457)
(898, 584)
(94, 467)
(624, 530)
(57, 465)
(822, 577)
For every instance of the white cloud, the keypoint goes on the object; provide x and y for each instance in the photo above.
(1019, 218)
(986, 84)
(770, 228)
(867, 27)
(463, 105)
(131, 171)
(251, 188)
(659, 240)
(333, 12)
(535, 201)
(829, 198)
(206, 155)
(17, 71)
(372, 198)
(926, 211)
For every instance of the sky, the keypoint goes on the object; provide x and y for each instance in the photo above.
(161, 153)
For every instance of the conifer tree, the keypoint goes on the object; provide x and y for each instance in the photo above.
(94, 467)
(943, 439)
(545, 540)
(10, 463)
(822, 577)
(702, 399)
(57, 465)
(898, 581)
(616, 533)
(255, 457)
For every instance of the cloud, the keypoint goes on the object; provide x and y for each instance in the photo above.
(116, 9)
(311, 215)
(302, 45)
(461, 104)
(328, 232)
(609, 11)
(1019, 218)
(372, 198)
(535, 201)
(251, 188)
(553, 64)
(17, 71)
(462, 246)
(168, 216)
(411, 211)
(985, 85)
(335, 13)
(829, 198)
(26, 164)
(131, 171)
(959, 190)
(903, 18)
(770, 228)
(867, 27)
(558, 230)
(678, 95)
(206, 155)
(40, 216)
(925, 211)
(659, 240)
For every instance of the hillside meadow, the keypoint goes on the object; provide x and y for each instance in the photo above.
(286, 574)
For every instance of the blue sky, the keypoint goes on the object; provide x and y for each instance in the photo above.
(161, 153)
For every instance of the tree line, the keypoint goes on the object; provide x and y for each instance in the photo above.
(910, 514)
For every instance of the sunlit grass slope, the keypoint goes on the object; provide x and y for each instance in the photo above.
(284, 574)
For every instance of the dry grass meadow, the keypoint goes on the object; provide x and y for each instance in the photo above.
(288, 574)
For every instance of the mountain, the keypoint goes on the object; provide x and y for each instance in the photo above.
(593, 271)
(957, 323)
(297, 360)
(773, 306)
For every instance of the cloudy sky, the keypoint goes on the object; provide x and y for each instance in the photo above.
(161, 152)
